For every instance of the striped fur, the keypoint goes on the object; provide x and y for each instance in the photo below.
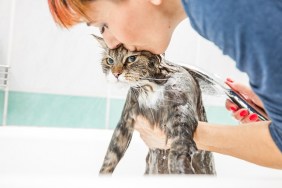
(169, 97)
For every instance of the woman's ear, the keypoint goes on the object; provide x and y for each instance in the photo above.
(156, 2)
(101, 41)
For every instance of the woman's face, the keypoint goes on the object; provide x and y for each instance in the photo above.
(137, 24)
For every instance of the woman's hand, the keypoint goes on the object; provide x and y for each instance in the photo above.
(152, 136)
(156, 138)
(242, 114)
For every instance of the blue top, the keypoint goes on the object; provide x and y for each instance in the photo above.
(250, 32)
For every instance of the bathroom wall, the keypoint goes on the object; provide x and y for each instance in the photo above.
(5, 19)
(55, 77)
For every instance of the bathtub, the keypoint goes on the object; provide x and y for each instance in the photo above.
(65, 157)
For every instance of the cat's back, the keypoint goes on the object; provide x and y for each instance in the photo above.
(181, 82)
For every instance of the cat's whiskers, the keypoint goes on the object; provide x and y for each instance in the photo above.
(148, 78)
(132, 76)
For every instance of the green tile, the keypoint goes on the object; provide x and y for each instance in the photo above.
(218, 114)
(116, 107)
(33, 109)
(50, 110)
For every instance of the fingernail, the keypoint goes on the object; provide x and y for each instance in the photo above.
(233, 108)
(253, 117)
(244, 113)
(229, 80)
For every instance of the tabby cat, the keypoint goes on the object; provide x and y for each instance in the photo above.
(169, 97)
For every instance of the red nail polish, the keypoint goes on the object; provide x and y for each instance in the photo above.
(244, 113)
(233, 108)
(253, 117)
(229, 80)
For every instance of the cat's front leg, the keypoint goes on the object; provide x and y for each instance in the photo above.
(122, 135)
(118, 145)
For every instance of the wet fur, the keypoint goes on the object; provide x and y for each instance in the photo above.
(169, 97)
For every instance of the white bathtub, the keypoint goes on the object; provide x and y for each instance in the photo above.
(50, 157)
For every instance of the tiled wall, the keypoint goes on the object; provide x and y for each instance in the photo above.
(49, 110)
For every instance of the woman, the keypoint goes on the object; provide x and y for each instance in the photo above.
(250, 32)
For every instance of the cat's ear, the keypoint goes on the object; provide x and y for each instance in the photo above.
(160, 57)
(101, 41)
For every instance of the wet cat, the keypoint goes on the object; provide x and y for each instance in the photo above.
(169, 97)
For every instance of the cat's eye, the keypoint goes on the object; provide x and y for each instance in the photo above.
(132, 59)
(110, 61)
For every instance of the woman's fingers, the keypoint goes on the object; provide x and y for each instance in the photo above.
(152, 136)
(231, 106)
(250, 118)
(241, 114)
(245, 91)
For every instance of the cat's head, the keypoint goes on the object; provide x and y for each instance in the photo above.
(134, 68)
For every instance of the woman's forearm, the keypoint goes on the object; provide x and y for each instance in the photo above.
(251, 142)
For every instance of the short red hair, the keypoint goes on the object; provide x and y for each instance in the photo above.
(67, 13)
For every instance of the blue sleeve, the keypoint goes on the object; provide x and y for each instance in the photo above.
(250, 32)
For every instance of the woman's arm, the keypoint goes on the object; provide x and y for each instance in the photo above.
(251, 142)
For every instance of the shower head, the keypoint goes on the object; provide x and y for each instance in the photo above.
(209, 82)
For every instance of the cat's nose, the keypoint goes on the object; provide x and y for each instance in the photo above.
(116, 74)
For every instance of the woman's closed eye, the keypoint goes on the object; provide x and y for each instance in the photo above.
(102, 28)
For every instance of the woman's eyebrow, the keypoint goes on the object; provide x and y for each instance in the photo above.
(91, 23)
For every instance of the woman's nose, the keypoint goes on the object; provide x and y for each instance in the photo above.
(110, 40)
(129, 47)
